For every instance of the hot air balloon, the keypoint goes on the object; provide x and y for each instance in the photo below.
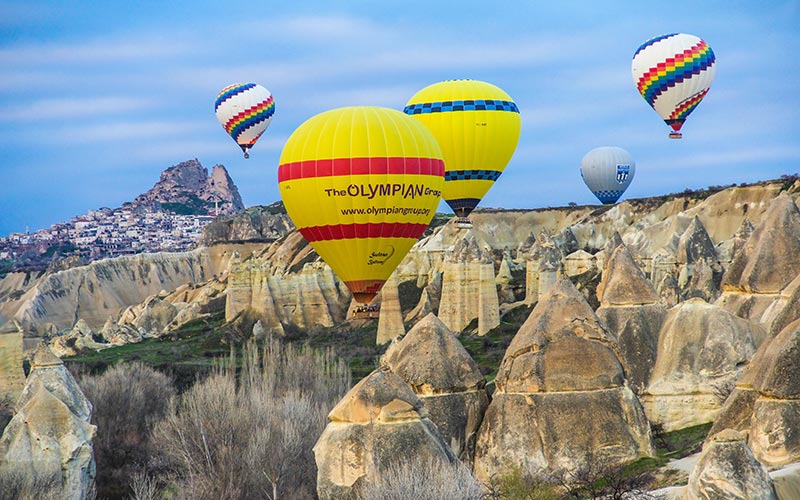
(245, 111)
(477, 125)
(608, 171)
(361, 184)
(673, 73)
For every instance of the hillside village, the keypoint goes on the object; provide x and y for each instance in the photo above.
(169, 217)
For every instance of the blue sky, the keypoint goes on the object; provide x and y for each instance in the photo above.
(97, 98)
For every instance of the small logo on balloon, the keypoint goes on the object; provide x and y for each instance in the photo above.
(622, 173)
(380, 256)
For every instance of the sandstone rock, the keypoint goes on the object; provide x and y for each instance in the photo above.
(50, 433)
(701, 348)
(664, 263)
(187, 182)
(632, 311)
(310, 296)
(154, 316)
(255, 224)
(558, 369)
(428, 301)
(579, 262)
(106, 287)
(80, 339)
(379, 420)
(543, 267)
(447, 380)
(771, 257)
(623, 282)
(728, 470)
(695, 244)
(12, 377)
(669, 291)
(468, 287)
(390, 321)
(766, 401)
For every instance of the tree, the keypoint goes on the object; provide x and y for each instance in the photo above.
(252, 437)
(128, 399)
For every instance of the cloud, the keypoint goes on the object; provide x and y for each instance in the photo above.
(57, 108)
(122, 131)
(143, 48)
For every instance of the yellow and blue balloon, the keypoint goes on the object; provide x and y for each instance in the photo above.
(478, 126)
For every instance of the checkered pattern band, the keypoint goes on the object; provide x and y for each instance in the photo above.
(608, 196)
(466, 105)
(472, 175)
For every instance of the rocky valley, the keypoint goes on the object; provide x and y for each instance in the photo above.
(626, 322)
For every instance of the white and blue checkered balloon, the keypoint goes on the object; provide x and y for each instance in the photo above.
(608, 171)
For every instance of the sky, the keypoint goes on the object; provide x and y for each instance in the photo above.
(98, 98)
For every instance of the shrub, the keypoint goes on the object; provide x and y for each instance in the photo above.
(253, 439)
(128, 399)
(22, 485)
(422, 480)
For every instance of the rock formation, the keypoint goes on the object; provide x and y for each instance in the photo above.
(255, 224)
(50, 434)
(80, 339)
(632, 311)
(468, 287)
(766, 400)
(105, 287)
(379, 420)
(12, 377)
(728, 470)
(447, 380)
(697, 255)
(559, 368)
(390, 321)
(543, 267)
(702, 349)
(187, 188)
(766, 264)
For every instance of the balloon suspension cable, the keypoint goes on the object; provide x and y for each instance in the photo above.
(675, 135)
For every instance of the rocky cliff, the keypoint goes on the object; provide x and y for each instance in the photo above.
(187, 188)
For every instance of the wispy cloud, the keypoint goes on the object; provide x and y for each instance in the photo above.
(44, 109)
(97, 51)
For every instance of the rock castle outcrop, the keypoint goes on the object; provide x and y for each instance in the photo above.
(188, 188)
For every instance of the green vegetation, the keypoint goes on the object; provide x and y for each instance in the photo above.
(192, 206)
(488, 350)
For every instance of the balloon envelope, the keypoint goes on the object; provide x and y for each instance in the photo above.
(361, 184)
(245, 111)
(673, 73)
(477, 125)
(608, 171)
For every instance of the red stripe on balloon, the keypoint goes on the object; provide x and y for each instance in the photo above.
(367, 230)
(360, 166)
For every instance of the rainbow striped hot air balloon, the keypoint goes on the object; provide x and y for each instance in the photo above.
(478, 126)
(361, 184)
(245, 111)
(673, 73)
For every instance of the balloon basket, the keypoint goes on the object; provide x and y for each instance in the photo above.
(675, 135)
(463, 223)
(365, 312)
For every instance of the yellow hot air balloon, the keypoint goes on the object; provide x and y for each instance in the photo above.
(477, 125)
(361, 184)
